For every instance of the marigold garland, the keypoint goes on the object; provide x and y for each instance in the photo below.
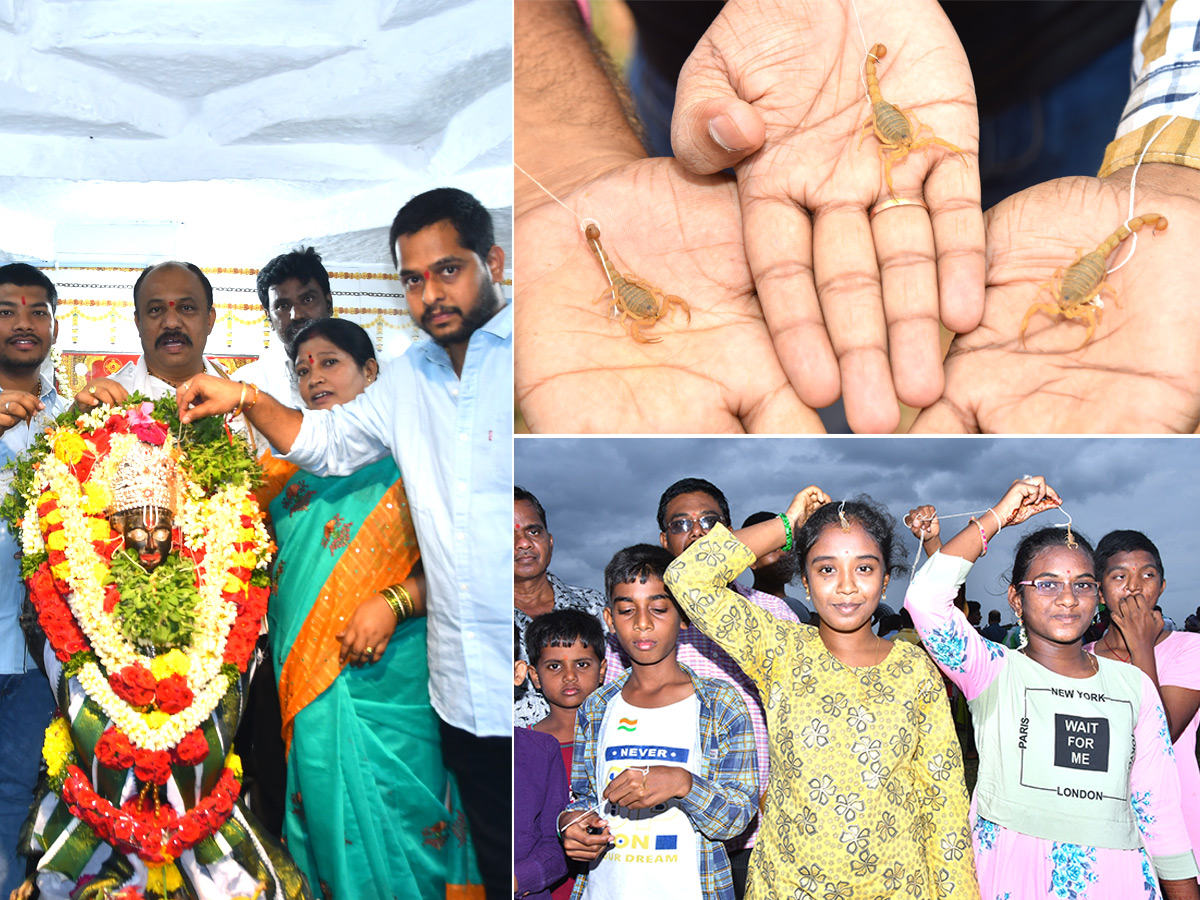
(157, 698)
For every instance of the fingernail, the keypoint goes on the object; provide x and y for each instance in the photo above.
(725, 132)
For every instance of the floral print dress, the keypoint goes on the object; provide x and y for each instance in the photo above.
(866, 799)
(1003, 688)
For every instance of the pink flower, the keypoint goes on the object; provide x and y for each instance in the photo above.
(141, 415)
(143, 426)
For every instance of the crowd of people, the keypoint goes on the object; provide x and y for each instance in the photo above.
(830, 749)
(376, 735)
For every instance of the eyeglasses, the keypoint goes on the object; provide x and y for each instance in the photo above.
(1048, 588)
(684, 525)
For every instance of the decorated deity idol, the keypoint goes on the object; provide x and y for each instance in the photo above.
(146, 561)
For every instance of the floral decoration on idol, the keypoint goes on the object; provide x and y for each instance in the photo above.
(147, 562)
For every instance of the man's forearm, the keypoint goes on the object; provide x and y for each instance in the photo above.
(279, 424)
(570, 122)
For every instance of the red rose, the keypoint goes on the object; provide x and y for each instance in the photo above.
(114, 750)
(238, 647)
(241, 573)
(83, 468)
(152, 765)
(134, 684)
(192, 750)
(173, 694)
(46, 507)
(151, 432)
(191, 832)
(111, 597)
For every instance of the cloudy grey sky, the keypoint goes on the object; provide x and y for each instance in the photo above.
(601, 494)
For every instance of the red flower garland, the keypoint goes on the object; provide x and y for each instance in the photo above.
(157, 835)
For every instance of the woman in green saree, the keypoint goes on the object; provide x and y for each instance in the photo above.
(371, 811)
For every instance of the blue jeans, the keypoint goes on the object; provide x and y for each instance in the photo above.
(26, 705)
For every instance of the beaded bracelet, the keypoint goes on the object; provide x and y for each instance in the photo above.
(982, 536)
(787, 528)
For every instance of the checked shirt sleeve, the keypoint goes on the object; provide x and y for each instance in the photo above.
(1166, 60)
(721, 804)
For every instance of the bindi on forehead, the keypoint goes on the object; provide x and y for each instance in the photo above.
(23, 303)
(170, 303)
(428, 275)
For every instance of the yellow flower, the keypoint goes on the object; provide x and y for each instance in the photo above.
(57, 746)
(62, 570)
(156, 719)
(100, 572)
(99, 528)
(233, 585)
(69, 447)
(57, 540)
(247, 534)
(246, 558)
(54, 517)
(96, 497)
(234, 763)
(173, 662)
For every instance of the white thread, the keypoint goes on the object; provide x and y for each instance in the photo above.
(1132, 189)
(583, 223)
(921, 544)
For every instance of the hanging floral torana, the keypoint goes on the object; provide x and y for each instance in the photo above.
(156, 652)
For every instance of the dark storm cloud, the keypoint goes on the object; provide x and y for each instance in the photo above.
(602, 494)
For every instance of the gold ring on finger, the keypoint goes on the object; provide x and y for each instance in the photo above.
(894, 202)
(368, 651)
(92, 390)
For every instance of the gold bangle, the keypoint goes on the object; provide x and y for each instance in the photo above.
(237, 411)
(406, 601)
(253, 401)
(399, 599)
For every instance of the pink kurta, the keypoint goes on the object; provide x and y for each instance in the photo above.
(1178, 661)
(1004, 688)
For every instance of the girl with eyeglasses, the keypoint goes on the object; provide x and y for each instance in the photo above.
(1077, 795)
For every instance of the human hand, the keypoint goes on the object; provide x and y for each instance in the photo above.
(100, 390)
(18, 406)
(1025, 498)
(642, 788)
(578, 370)
(1138, 622)
(924, 524)
(852, 304)
(805, 503)
(1139, 373)
(578, 842)
(207, 395)
(370, 628)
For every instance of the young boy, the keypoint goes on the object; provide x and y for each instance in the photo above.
(664, 766)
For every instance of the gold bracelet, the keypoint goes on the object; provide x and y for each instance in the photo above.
(238, 409)
(399, 600)
(255, 400)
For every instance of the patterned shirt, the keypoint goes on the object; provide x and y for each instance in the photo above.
(531, 706)
(704, 656)
(721, 800)
(1166, 66)
(866, 797)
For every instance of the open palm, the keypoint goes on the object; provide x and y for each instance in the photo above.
(1139, 373)
(852, 304)
(579, 370)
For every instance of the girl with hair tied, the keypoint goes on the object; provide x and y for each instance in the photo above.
(866, 796)
(1077, 795)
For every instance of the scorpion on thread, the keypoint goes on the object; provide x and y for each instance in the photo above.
(636, 300)
(893, 126)
(1076, 290)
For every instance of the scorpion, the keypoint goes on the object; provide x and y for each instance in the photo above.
(893, 126)
(636, 300)
(1077, 288)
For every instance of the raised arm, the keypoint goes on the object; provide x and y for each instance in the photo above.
(699, 581)
(206, 395)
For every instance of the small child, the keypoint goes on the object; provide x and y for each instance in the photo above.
(566, 663)
(673, 753)
(539, 794)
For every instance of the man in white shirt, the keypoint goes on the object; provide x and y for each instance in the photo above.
(174, 314)
(444, 412)
(292, 288)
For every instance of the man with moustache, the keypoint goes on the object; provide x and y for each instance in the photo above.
(174, 314)
(292, 288)
(27, 397)
(443, 410)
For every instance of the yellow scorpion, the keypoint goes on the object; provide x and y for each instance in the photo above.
(895, 128)
(637, 301)
(1077, 289)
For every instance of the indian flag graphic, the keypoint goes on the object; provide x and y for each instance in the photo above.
(627, 724)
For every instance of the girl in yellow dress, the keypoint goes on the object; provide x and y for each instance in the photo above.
(866, 797)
